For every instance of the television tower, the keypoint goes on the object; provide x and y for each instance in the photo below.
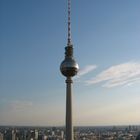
(69, 68)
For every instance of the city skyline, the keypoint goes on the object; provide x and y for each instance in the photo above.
(105, 35)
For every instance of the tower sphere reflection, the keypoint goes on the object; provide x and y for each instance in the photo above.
(69, 66)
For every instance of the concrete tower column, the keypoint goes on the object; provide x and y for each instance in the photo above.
(69, 125)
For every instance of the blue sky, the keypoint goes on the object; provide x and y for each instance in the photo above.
(106, 39)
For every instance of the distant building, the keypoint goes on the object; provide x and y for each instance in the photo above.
(138, 137)
(36, 134)
(1, 136)
(8, 135)
(13, 135)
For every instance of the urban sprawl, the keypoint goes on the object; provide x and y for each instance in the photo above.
(80, 133)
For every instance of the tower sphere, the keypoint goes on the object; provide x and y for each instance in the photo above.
(69, 67)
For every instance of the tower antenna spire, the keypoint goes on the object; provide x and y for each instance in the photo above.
(69, 23)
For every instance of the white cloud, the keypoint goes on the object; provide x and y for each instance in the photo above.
(86, 70)
(122, 74)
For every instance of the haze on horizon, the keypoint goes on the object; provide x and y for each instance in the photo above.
(106, 39)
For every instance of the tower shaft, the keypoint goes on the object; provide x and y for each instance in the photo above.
(69, 126)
